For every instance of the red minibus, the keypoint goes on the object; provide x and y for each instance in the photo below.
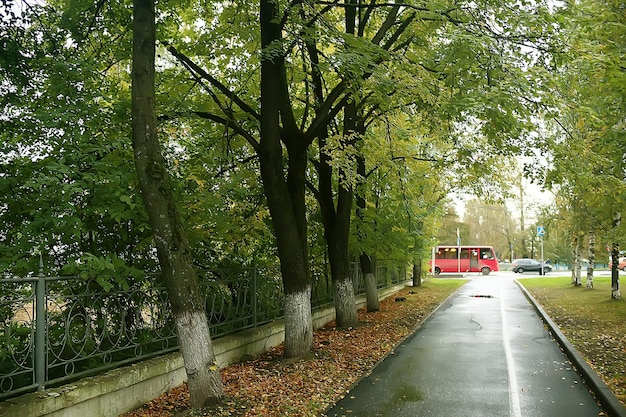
(459, 259)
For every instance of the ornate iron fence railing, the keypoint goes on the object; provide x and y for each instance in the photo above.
(54, 330)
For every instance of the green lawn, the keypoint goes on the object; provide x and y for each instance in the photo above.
(445, 284)
(596, 302)
(593, 322)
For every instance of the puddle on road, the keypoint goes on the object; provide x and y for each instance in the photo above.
(477, 295)
(400, 395)
(407, 393)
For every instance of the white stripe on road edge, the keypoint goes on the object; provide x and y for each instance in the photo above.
(515, 409)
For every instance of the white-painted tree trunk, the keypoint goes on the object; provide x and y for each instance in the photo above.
(573, 253)
(345, 302)
(592, 257)
(298, 324)
(576, 278)
(197, 352)
(171, 241)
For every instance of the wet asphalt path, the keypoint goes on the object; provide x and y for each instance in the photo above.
(484, 352)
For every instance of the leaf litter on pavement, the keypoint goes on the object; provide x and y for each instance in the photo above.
(269, 385)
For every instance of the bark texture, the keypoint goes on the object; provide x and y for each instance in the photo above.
(371, 283)
(615, 291)
(336, 221)
(299, 326)
(576, 278)
(336, 216)
(344, 303)
(285, 196)
(336, 230)
(417, 273)
(592, 259)
(188, 307)
(365, 260)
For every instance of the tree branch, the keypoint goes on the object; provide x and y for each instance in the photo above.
(227, 123)
(198, 72)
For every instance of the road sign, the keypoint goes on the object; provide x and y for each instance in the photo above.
(541, 231)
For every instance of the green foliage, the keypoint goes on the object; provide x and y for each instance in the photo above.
(588, 144)
(14, 338)
(107, 270)
(491, 224)
(220, 195)
(403, 193)
(68, 186)
(445, 95)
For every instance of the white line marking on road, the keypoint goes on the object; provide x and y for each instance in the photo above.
(515, 409)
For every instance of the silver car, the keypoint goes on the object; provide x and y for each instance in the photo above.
(530, 265)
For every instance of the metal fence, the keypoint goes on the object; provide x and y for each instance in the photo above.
(59, 329)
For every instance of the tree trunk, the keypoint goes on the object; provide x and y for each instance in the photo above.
(592, 259)
(365, 260)
(573, 253)
(371, 282)
(345, 303)
(615, 292)
(337, 219)
(173, 251)
(576, 278)
(522, 226)
(336, 231)
(285, 197)
(336, 222)
(293, 261)
(417, 273)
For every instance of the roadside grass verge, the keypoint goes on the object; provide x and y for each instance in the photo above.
(593, 322)
(443, 285)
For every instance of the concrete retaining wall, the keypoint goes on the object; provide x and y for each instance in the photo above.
(127, 388)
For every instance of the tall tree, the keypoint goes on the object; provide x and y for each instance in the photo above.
(285, 194)
(173, 250)
(314, 70)
(366, 261)
(592, 259)
(590, 124)
(488, 225)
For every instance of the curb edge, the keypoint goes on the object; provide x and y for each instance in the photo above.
(604, 395)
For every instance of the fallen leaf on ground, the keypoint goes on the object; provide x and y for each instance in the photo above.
(268, 385)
